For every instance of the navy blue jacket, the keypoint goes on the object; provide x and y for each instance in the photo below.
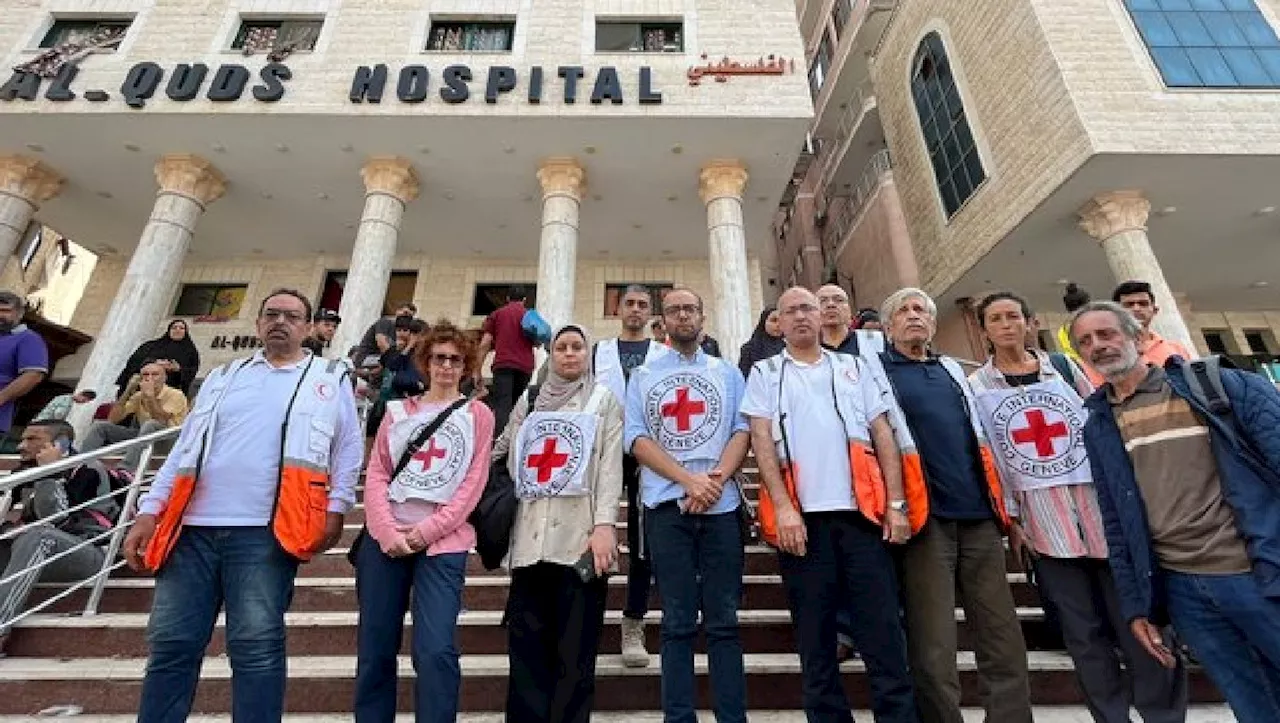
(1248, 458)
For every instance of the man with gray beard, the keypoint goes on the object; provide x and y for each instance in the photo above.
(1186, 461)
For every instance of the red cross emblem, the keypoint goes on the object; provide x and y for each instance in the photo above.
(429, 455)
(547, 461)
(1040, 433)
(683, 409)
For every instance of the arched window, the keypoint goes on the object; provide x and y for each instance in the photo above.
(956, 164)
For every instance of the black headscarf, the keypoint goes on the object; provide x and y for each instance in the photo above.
(182, 351)
(761, 345)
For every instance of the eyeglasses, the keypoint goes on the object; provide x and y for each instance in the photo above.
(293, 317)
(678, 309)
(799, 310)
(441, 360)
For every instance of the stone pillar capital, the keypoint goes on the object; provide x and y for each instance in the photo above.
(392, 176)
(28, 179)
(190, 176)
(722, 179)
(562, 176)
(1108, 214)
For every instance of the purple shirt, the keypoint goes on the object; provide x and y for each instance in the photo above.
(21, 350)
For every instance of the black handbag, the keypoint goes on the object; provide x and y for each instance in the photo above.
(414, 445)
(495, 514)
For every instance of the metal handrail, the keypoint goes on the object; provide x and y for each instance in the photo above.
(850, 119)
(114, 535)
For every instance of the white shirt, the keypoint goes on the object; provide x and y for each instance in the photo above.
(818, 438)
(241, 470)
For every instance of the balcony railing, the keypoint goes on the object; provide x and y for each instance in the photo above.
(839, 226)
(850, 118)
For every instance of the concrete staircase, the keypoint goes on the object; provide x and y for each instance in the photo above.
(96, 662)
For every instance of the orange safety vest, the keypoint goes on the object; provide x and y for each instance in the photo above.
(300, 511)
(866, 479)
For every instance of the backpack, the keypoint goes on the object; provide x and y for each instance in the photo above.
(1204, 381)
(495, 513)
(535, 328)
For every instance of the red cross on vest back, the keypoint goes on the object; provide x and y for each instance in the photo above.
(1040, 433)
(429, 455)
(683, 409)
(547, 461)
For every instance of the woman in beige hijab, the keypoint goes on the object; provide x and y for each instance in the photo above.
(565, 456)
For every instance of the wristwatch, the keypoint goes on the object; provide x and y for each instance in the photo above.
(898, 506)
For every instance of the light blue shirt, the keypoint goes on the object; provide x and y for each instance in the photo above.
(654, 488)
(241, 469)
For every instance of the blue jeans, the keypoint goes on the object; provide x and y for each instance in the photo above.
(1235, 632)
(383, 587)
(697, 562)
(244, 569)
(847, 568)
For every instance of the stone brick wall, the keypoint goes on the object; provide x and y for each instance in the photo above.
(1020, 107)
(548, 32)
(445, 288)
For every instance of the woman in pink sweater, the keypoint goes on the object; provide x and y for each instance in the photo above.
(419, 535)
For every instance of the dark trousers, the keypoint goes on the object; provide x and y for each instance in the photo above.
(384, 587)
(553, 633)
(640, 572)
(698, 561)
(968, 556)
(245, 570)
(1092, 627)
(508, 385)
(847, 567)
(1234, 630)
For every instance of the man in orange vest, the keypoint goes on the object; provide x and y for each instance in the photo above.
(830, 514)
(262, 473)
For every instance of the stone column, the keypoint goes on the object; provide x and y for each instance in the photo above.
(563, 182)
(188, 184)
(389, 184)
(721, 184)
(1118, 220)
(25, 183)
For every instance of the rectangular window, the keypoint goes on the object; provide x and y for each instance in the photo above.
(820, 65)
(1215, 340)
(488, 298)
(221, 301)
(265, 35)
(1257, 341)
(473, 36)
(840, 14)
(639, 37)
(613, 294)
(101, 32)
(1209, 43)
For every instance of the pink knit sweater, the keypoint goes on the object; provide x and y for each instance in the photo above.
(443, 526)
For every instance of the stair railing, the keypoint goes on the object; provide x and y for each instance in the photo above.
(113, 537)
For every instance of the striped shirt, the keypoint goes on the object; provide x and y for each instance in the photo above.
(1193, 529)
(1063, 522)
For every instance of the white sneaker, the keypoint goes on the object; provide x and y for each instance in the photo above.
(634, 654)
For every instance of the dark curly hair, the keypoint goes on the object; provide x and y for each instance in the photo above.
(445, 332)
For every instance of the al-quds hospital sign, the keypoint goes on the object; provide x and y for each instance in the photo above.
(369, 84)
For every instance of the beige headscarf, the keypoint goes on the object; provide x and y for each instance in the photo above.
(554, 391)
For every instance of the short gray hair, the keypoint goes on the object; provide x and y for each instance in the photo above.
(899, 297)
(1129, 324)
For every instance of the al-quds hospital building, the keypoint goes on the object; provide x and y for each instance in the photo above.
(202, 152)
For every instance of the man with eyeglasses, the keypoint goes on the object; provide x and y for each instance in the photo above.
(264, 470)
(613, 361)
(831, 497)
(683, 426)
(838, 333)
